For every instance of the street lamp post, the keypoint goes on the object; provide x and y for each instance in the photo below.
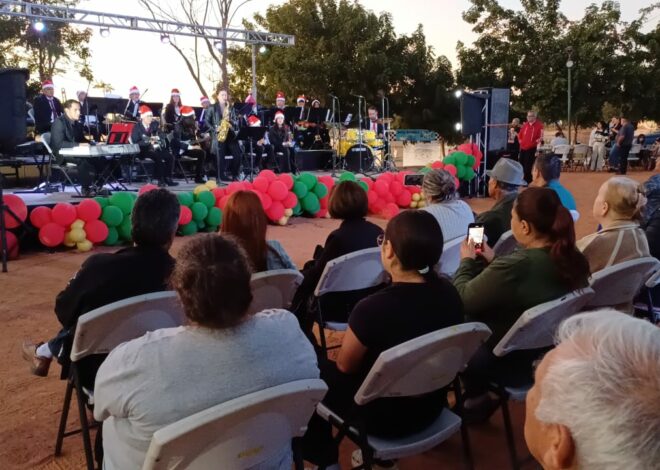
(254, 72)
(569, 66)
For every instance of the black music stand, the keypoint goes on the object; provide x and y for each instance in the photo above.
(251, 135)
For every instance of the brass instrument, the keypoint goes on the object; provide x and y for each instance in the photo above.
(225, 125)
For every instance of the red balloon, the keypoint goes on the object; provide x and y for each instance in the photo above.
(437, 165)
(327, 180)
(386, 177)
(261, 184)
(324, 202)
(457, 182)
(290, 201)
(88, 209)
(390, 210)
(379, 205)
(451, 169)
(276, 211)
(97, 231)
(277, 190)
(223, 202)
(52, 234)
(12, 245)
(40, 216)
(266, 200)
(218, 193)
(18, 207)
(381, 187)
(322, 213)
(368, 181)
(268, 174)
(233, 187)
(396, 188)
(287, 179)
(372, 196)
(64, 214)
(146, 188)
(414, 189)
(470, 149)
(389, 198)
(185, 215)
(404, 199)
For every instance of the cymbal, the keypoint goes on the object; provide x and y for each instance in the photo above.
(385, 121)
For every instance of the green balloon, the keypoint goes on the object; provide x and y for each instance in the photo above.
(297, 210)
(364, 185)
(211, 228)
(470, 161)
(214, 217)
(112, 238)
(134, 196)
(112, 216)
(123, 200)
(207, 198)
(460, 172)
(425, 170)
(347, 176)
(300, 189)
(308, 180)
(311, 203)
(125, 229)
(199, 211)
(461, 158)
(321, 190)
(185, 199)
(103, 201)
(450, 159)
(200, 225)
(469, 174)
(189, 229)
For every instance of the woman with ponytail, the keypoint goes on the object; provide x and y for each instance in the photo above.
(417, 302)
(497, 291)
(618, 209)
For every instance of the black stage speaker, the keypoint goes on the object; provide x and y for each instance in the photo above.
(472, 117)
(498, 119)
(12, 108)
(308, 160)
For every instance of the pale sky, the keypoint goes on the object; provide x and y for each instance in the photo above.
(128, 58)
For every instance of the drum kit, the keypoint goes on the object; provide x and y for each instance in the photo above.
(353, 145)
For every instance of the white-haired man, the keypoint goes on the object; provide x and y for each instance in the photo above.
(596, 400)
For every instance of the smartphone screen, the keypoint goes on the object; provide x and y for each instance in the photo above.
(413, 180)
(476, 235)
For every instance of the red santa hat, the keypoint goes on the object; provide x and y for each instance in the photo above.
(204, 99)
(280, 96)
(316, 101)
(146, 110)
(47, 84)
(175, 92)
(301, 98)
(253, 121)
(279, 114)
(133, 90)
(250, 99)
(187, 111)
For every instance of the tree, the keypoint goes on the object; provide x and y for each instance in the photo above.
(45, 53)
(327, 58)
(203, 56)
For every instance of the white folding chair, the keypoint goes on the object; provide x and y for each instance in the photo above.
(240, 433)
(633, 156)
(274, 289)
(534, 329)
(563, 151)
(99, 332)
(580, 153)
(359, 270)
(451, 257)
(53, 165)
(419, 366)
(575, 214)
(617, 285)
(651, 310)
(506, 245)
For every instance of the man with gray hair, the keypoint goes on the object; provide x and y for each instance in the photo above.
(596, 401)
(506, 178)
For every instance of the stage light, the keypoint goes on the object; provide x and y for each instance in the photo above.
(105, 32)
(39, 26)
(458, 127)
(458, 93)
(262, 49)
(218, 45)
(165, 38)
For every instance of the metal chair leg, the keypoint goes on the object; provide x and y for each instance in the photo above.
(465, 436)
(84, 424)
(508, 428)
(64, 416)
(296, 447)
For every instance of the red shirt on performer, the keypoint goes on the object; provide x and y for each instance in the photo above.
(531, 133)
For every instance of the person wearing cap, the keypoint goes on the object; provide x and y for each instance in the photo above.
(46, 107)
(301, 113)
(186, 141)
(132, 111)
(280, 138)
(506, 178)
(172, 112)
(147, 135)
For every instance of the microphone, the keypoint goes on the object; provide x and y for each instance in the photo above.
(333, 96)
(358, 96)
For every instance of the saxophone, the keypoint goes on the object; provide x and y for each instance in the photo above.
(225, 125)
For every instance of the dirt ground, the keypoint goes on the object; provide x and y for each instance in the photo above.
(30, 406)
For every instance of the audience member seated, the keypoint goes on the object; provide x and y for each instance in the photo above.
(559, 139)
(617, 209)
(595, 401)
(546, 267)
(244, 218)
(349, 203)
(105, 278)
(651, 223)
(416, 303)
(453, 215)
(224, 353)
(545, 174)
(506, 178)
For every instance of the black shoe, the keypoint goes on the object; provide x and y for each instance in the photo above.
(481, 413)
(171, 182)
(103, 192)
(88, 192)
(224, 177)
(162, 184)
(200, 180)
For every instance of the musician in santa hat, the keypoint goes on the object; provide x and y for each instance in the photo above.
(132, 111)
(186, 141)
(280, 152)
(153, 145)
(46, 107)
(173, 110)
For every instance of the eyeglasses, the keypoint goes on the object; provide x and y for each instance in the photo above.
(380, 239)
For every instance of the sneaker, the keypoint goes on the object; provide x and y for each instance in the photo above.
(200, 180)
(171, 182)
(39, 365)
(356, 461)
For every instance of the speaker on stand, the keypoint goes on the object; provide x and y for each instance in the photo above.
(13, 128)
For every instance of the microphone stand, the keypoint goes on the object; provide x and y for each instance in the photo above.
(388, 161)
(336, 120)
(360, 136)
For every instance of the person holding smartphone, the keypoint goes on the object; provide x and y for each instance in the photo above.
(496, 291)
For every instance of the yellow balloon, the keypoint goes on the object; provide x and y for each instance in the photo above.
(77, 235)
(421, 204)
(211, 184)
(67, 240)
(283, 220)
(78, 224)
(84, 245)
(416, 197)
(200, 189)
(288, 212)
(413, 205)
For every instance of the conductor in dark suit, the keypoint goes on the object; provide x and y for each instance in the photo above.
(228, 153)
(371, 122)
(46, 107)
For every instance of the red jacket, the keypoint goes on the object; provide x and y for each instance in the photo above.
(530, 135)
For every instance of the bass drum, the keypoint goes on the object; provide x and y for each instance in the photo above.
(359, 152)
